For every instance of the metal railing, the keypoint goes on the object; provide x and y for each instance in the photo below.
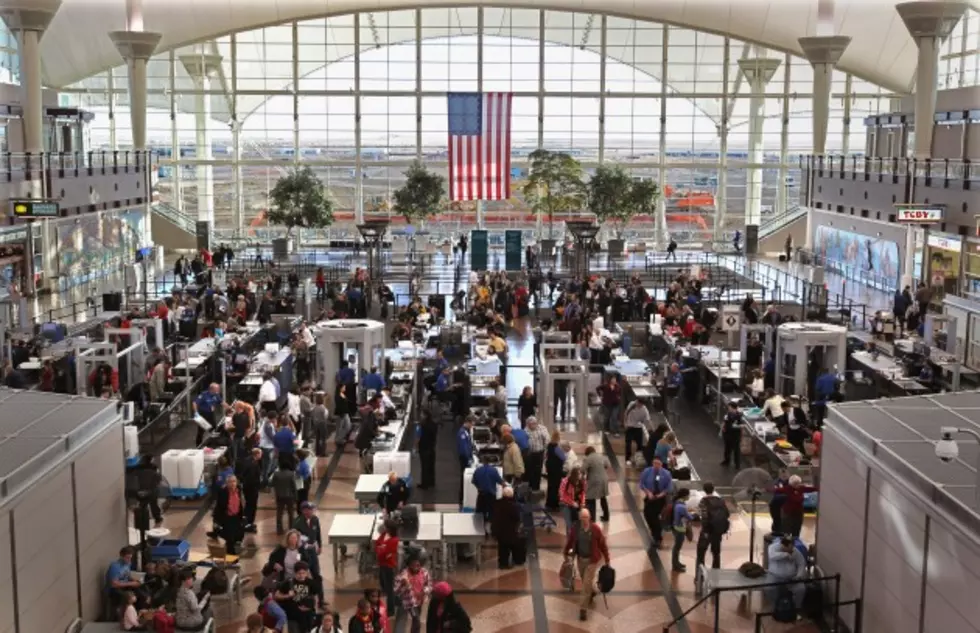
(772, 223)
(860, 167)
(18, 166)
(179, 218)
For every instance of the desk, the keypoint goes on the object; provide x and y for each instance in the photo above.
(366, 490)
(466, 529)
(350, 529)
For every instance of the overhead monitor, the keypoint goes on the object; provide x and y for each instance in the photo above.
(35, 208)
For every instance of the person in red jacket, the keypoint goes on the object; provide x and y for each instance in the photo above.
(386, 549)
(792, 510)
(587, 545)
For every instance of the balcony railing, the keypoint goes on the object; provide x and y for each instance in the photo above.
(179, 218)
(936, 171)
(18, 166)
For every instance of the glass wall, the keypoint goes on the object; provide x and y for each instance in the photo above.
(959, 64)
(358, 97)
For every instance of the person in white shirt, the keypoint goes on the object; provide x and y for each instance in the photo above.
(773, 406)
(267, 433)
(293, 407)
(268, 393)
(130, 620)
(307, 336)
(386, 402)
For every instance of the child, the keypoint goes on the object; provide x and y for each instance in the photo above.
(129, 618)
(374, 597)
(272, 614)
(306, 591)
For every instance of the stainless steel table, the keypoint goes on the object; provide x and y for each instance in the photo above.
(366, 490)
(351, 529)
(466, 529)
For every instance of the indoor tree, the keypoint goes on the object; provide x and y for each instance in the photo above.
(608, 196)
(554, 184)
(300, 200)
(421, 196)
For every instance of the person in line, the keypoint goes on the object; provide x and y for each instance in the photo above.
(464, 449)
(554, 463)
(513, 462)
(508, 530)
(192, 613)
(373, 595)
(486, 478)
(571, 495)
(792, 509)
(281, 565)
(250, 478)
(537, 438)
(229, 514)
(365, 619)
(285, 437)
(527, 405)
(786, 563)
(594, 469)
(611, 394)
(715, 523)
(320, 423)
(793, 424)
(413, 587)
(655, 484)
(586, 544)
(273, 616)
(393, 494)
(308, 525)
(284, 486)
(776, 503)
(637, 424)
(386, 551)
(446, 614)
(209, 405)
(731, 435)
(428, 433)
(269, 392)
(680, 522)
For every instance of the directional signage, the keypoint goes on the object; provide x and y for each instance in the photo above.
(731, 318)
(920, 214)
(34, 208)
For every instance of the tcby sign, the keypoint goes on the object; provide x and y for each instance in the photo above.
(920, 214)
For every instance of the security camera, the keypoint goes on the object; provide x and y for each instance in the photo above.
(946, 448)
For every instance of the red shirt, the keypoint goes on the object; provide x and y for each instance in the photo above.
(386, 549)
(794, 497)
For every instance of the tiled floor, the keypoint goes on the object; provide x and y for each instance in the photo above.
(525, 599)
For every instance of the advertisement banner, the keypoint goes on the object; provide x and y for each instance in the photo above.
(858, 256)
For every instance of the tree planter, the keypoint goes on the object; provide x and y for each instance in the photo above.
(616, 247)
(282, 247)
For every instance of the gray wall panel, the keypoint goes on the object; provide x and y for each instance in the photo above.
(55, 611)
(841, 470)
(99, 467)
(6, 574)
(884, 612)
(43, 515)
(46, 577)
(954, 574)
(941, 616)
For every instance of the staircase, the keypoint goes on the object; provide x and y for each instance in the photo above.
(173, 229)
(773, 231)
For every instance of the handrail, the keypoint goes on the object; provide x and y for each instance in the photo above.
(945, 169)
(175, 215)
(773, 223)
(28, 165)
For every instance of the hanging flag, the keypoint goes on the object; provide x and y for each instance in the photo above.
(479, 145)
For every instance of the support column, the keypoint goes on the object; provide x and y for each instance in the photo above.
(28, 19)
(929, 23)
(757, 73)
(823, 54)
(136, 47)
(202, 68)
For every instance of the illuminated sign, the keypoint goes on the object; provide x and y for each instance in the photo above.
(920, 214)
(34, 209)
(945, 243)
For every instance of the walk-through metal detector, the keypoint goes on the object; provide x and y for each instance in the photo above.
(359, 340)
(803, 350)
(128, 362)
(765, 333)
(566, 366)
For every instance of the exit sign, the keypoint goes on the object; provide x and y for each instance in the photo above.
(920, 214)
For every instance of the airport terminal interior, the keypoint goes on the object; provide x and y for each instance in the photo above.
(494, 317)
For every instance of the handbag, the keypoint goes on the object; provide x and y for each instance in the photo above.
(689, 532)
(567, 574)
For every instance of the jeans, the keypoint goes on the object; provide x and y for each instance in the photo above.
(570, 515)
(634, 434)
(611, 415)
(287, 506)
(268, 465)
(675, 554)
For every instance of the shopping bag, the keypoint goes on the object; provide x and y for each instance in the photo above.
(567, 574)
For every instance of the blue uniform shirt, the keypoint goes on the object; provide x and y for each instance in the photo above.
(486, 478)
(208, 402)
(520, 436)
(656, 482)
(442, 383)
(346, 376)
(826, 384)
(464, 445)
(373, 381)
(284, 440)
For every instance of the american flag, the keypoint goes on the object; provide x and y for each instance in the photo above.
(479, 145)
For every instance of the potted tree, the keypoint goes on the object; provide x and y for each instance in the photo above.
(421, 196)
(608, 197)
(554, 185)
(298, 200)
(644, 197)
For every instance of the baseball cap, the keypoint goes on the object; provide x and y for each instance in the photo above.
(306, 505)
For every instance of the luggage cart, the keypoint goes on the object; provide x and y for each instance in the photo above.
(539, 516)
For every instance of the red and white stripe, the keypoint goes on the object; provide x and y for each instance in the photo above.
(479, 166)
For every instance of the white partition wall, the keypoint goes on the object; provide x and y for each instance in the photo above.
(6, 576)
(900, 526)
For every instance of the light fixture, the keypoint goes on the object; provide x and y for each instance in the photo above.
(948, 450)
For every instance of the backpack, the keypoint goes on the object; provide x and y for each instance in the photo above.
(215, 582)
(785, 608)
(606, 579)
(163, 622)
(716, 521)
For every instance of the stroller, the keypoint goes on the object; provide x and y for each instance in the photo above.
(539, 516)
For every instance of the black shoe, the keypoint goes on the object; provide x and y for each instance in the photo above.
(604, 520)
(582, 615)
(251, 529)
(679, 568)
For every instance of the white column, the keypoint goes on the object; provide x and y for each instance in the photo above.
(823, 54)
(757, 73)
(28, 19)
(201, 68)
(929, 23)
(136, 47)
(721, 190)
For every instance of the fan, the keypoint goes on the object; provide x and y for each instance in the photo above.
(749, 484)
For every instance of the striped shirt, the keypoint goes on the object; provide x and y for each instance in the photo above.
(538, 439)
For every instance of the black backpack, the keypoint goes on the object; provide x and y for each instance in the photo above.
(717, 518)
(605, 581)
(785, 607)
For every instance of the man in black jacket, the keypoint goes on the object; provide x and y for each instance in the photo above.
(793, 423)
(250, 476)
(393, 494)
(308, 524)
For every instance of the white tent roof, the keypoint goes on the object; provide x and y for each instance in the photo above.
(75, 47)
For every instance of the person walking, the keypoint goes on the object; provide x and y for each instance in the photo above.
(680, 522)
(594, 470)
(413, 587)
(250, 476)
(637, 425)
(586, 544)
(571, 495)
(537, 437)
(284, 486)
(612, 398)
(715, 523)
(386, 551)
(655, 484)
(446, 614)
(229, 512)
(671, 250)
(731, 435)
